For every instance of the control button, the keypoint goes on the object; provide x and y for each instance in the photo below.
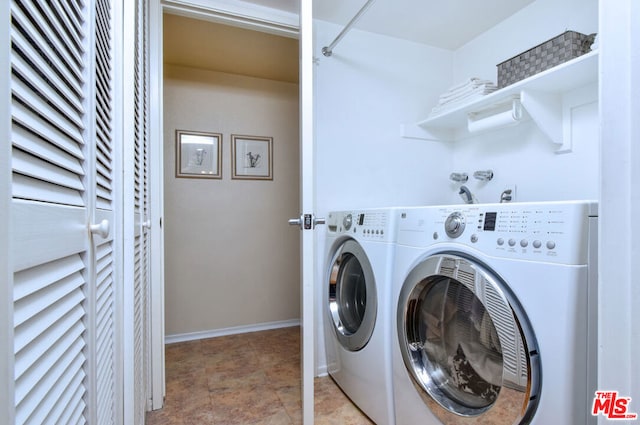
(500, 241)
(474, 238)
(512, 242)
(524, 243)
(435, 236)
(537, 244)
(551, 244)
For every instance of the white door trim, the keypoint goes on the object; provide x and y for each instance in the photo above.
(307, 197)
(619, 292)
(237, 13)
(156, 208)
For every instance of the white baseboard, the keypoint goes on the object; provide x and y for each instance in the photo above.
(192, 336)
(321, 371)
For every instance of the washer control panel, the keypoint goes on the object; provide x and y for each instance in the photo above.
(370, 224)
(553, 231)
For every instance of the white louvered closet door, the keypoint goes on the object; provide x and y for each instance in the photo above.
(141, 215)
(63, 212)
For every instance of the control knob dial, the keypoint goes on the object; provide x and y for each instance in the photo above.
(454, 224)
(347, 221)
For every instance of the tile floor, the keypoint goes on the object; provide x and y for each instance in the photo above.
(249, 378)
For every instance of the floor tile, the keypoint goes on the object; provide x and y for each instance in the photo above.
(246, 379)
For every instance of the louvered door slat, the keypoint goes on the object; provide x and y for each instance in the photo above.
(31, 45)
(104, 143)
(105, 332)
(38, 25)
(42, 129)
(104, 161)
(37, 278)
(38, 405)
(27, 308)
(76, 7)
(70, 21)
(66, 41)
(62, 103)
(39, 105)
(45, 320)
(33, 189)
(29, 392)
(70, 406)
(103, 192)
(104, 114)
(32, 360)
(37, 147)
(30, 166)
(40, 366)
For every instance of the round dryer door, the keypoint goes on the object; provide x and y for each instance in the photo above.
(467, 344)
(352, 296)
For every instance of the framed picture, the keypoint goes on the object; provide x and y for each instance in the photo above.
(198, 155)
(251, 157)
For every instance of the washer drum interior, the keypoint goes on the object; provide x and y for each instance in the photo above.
(467, 343)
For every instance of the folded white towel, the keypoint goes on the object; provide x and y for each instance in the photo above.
(464, 92)
(470, 97)
(470, 84)
(467, 82)
(486, 88)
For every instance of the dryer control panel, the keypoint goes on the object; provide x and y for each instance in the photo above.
(552, 231)
(369, 224)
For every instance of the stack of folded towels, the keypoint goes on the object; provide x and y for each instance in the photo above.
(462, 93)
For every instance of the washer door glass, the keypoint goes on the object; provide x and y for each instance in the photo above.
(466, 344)
(352, 296)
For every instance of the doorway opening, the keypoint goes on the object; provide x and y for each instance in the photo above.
(231, 263)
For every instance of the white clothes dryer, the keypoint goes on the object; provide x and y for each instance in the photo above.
(357, 308)
(495, 314)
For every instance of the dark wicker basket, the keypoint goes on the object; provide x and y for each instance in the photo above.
(560, 49)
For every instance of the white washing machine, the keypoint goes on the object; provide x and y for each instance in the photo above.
(495, 314)
(357, 308)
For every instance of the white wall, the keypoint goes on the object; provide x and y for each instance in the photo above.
(535, 24)
(373, 83)
(523, 155)
(231, 258)
(364, 92)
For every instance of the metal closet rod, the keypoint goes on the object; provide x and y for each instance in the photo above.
(328, 50)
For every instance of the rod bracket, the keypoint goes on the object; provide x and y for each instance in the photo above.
(328, 50)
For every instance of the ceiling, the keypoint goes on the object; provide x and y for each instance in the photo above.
(447, 24)
(202, 44)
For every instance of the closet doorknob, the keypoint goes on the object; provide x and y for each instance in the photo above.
(101, 229)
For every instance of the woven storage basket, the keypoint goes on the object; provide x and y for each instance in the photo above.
(553, 52)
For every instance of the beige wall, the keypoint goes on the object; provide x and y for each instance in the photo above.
(230, 257)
